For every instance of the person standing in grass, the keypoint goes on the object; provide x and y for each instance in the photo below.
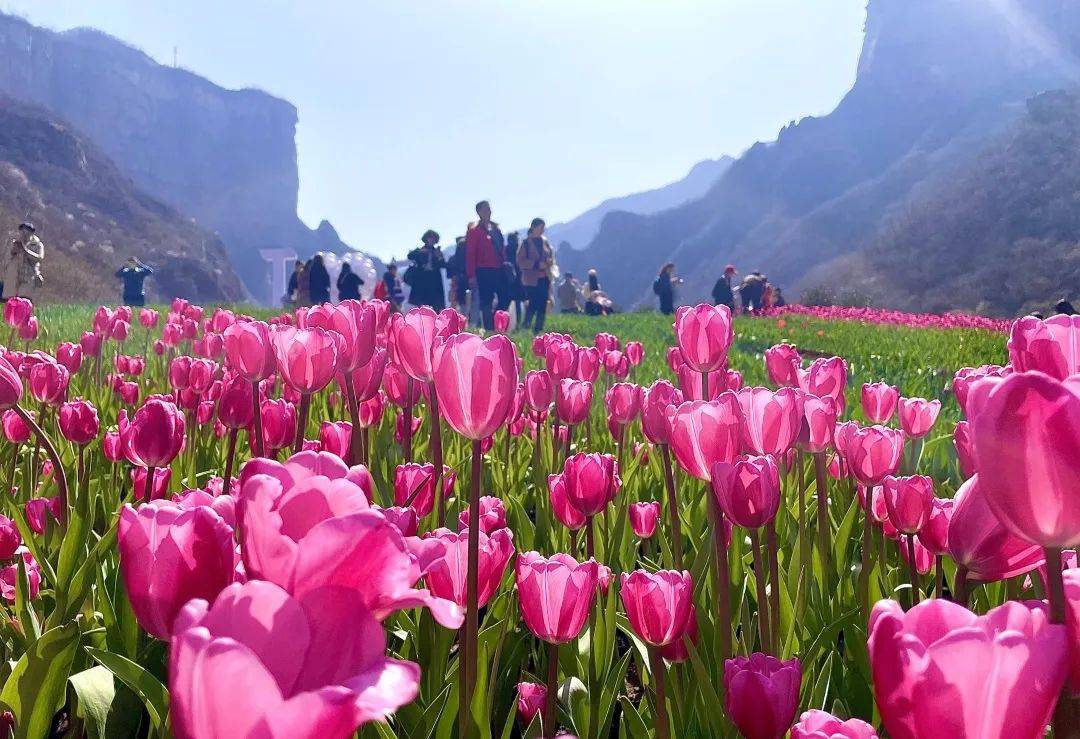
(318, 281)
(664, 287)
(425, 275)
(569, 294)
(348, 283)
(133, 275)
(536, 260)
(27, 253)
(722, 292)
(486, 265)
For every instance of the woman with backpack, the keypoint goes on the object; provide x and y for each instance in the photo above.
(536, 262)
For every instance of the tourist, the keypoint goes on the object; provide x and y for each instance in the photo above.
(425, 275)
(390, 290)
(348, 283)
(518, 291)
(292, 289)
(133, 274)
(486, 266)
(318, 281)
(535, 261)
(664, 287)
(569, 293)
(1064, 308)
(27, 253)
(752, 292)
(722, 292)
(459, 281)
(597, 302)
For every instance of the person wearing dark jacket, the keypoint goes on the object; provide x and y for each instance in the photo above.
(133, 274)
(392, 286)
(519, 293)
(722, 292)
(485, 264)
(425, 275)
(535, 261)
(319, 281)
(664, 287)
(348, 283)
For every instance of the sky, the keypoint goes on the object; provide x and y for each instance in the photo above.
(410, 111)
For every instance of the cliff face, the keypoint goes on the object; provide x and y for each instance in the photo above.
(91, 218)
(937, 79)
(225, 157)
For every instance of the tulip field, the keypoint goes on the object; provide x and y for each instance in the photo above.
(230, 522)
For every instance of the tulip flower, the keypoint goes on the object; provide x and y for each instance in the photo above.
(564, 511)
(17, 311)
(615, 364)
(635, 353)
(703, 433)
(827, 377)
(335, 436)
(411, 339)
(414, 486)
(560, 357)
(748, 490)
(9, 576)
(371, 411)
(771, 420)
(492, 515)
(446, 576)
(278, 421)
(155, 434)
(643, 518)
(78, 421)
(90, 343)
(368, 378)
(873, 453)
(70, 355)
(573, 401)
(968, 376)
(818, 424)
(917, 416)
(879, 401)
(677, 651)
(405, 519)
(501, 321)
(15, 429)
(940, 670)
(623, 402)
(539, 390)
(1051, 345)
(781, 363)
(657, 399)
(605, 342)
(475, 380)
(49, 383)
(355, 323)
(704, 335)
(531, 698)
(591, 481)
(935, 534)
(909, 501)
(815, 724)
(168, 556)
(762, 694)
(229, 677)
(236, 409)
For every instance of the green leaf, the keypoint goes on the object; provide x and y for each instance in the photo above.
(632, 722)
(103, 707)
(84, 577)
(36, 688)
(153, 694)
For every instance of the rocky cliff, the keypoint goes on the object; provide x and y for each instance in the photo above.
(225, 157)
(91, 217)
(936, 80)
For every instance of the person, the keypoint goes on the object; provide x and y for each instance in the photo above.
(535, 261)
(459, 281)
(778, 298)
(293, 287)
(425, 275)
(133, 274)
(722, 293)
(348, 283)
(664, 287)
(485, 264)
(27, 252)
(1064, 308)
(569, 294)
(318, 281)
(752, 291)
(597, 302)
(519, 294)
(392, 286)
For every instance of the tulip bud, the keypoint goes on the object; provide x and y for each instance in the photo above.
(657, 604)
(79, 422)
(643, 518)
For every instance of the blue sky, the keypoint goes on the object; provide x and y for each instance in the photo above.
(411, 111)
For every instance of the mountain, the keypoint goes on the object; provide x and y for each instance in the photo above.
(578, 232)
(937, 80)
(225, 157)
(91, 217)
(1000, 236)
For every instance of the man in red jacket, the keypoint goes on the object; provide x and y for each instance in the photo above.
(485, 260)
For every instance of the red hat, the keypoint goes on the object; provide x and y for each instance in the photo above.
(730, 269)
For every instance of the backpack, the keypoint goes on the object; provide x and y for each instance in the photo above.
(656, 286)
(381, 293)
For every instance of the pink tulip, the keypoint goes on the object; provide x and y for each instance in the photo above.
(781, 363)
(475, 380)
(160, 488)
(9, 576)
(965, 448)
(502, 321)
(555, 594)
(400, 389)
(815, 724)
(17, 311)
(771, 420)
(168, 556)
(917, 416)
(15, 429)
(941, 671)
(446, 575)
(643, 518)
(355, 323)
(703, 433)
(704, 334)
(677, 650)
(492, 515)
(748, 491)
(335, 437)
(674, 359)
(1071, 581)
(909, 501)
(235, 405)
(70, 355)
(539, 390)
(531, 698)
(258, 662)
(827, 377)
(1026, 430)
(411, 339)
(873, 453)
(616, 364)
(762, 694)
(49, 383)
(690, 383)
(560, 357)
(979, 542)
(10, 538)
(405, 519)
(90, 344)
(818, 424)
(623, 402)
(38, 510)
(879, 401)
(591, 481)
(935, 534)
(658, 401)
(78, 421)
(574, 400)
(414, 485)
(605, 342)
(657, 604)
(1051, 345)
(371, 411)
(565, 513)
(148, 318)
(249, 350)
(155, 434)
(968, 376)
(635, 353)
(589, 360)
(306, 358)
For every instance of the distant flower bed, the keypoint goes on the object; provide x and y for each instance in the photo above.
(892, 317)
